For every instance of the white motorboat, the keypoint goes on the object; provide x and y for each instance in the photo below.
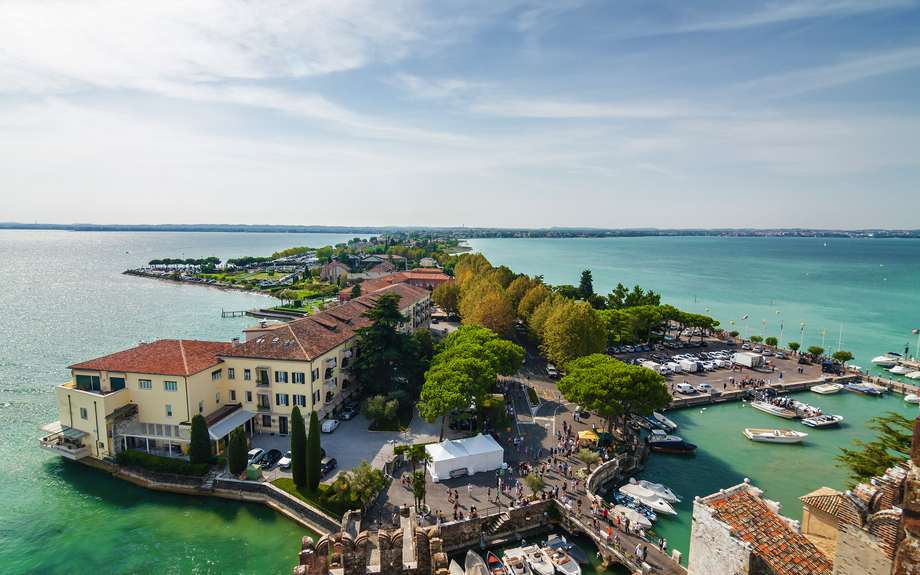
(658, 488)
(633, 516)
(664, 421)
(475, 565)
(561, 561)
(819, 421)
(827, 388)
(455, 568)
(773, 409)
(913, 375)
(887, 360)
(900, 370)
(648, 498)
(539, 564)
(515, 562)
(774, 435)
(912, 398)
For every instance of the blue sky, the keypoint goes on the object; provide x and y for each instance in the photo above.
(615, 114)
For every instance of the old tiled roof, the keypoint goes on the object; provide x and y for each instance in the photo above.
(163, 357)
(774, 542)
(385, 267)
(310, 337)
(825, 499)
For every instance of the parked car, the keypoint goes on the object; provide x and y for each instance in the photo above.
(781, 355)
(685, 388)
(350, 411)
(551, 371)
(285, 462)
(757, 349)
(255, 456)
(327, 465)
(768, 352)
(745, 346)
(729, 341)
(329, 425)
(271, 458)
(705, 388)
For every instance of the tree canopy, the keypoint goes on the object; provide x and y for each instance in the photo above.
(891, 446)
(586, 286)
(842, 356)
(298, 448)
(388, 358)
(572, 331)
(199, 448)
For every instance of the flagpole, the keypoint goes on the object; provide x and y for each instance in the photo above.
(801, 343)
(781, 335)
(840, 339)
(822, 337)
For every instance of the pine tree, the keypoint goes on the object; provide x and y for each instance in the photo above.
(298, 448)
(313, 453)
(236, 451)
(199, 448)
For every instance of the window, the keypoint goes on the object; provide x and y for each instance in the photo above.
(145, 384)
(88, 383)
(231, 373)
(298, 377)
(247, 375)
(316, 397)
(117, 383)
(300, 400)
(168, 411)
(217, 374)
(281, 399)
(315, 374)
(281, 377)
(171, 386)
(83, 413)
(217, 398)
(232, 395)
(248, 397)
(266, 421)
(200, 407)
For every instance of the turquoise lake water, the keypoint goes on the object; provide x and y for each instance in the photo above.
(64, 300)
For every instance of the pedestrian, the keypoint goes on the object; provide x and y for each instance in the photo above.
(638, 551)
(450, 493)
(489, 495)
(664, 545)
(469, 490)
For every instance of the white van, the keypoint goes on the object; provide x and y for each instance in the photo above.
(685, 388)
(551, 371)
(674, 366)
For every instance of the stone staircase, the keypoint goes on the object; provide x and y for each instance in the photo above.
(497, 523)
(207, 484)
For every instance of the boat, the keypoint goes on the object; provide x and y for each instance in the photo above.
(900, 370)
(514, 561)
(819, 421)
(865, 390)
(773, 409)
(774, 435)
(636, 505)
(827, 388)
(475, 565)
(913, 375)
(561, 561)
(648, 497)
(633, 516)
(496, 567)
(887, 360)
(455, 568)
(538, 564)
(660, 441)
(658, 488)
(912, 398)
(574, 551)
(667, 423)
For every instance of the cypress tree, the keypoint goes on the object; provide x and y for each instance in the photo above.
(199, 447)
(236, 451)
(313, 452)
(298, 448)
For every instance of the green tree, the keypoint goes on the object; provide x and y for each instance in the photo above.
(816, 351)
(535, 483)
(389, 359)
(447, 297)
(287, 295)
(574, 331)
(891, 446)
(589, 457)
(771, 341)
(313, 453)
(298, 448)
(532, 300)
(426, 345)
(734, 333)
(445, 389)
(355, 291)
(199, 446)
(756, 339)
(364, 482)
(842, 356)
(794, 346)
(586, 286)
(419, 491)
(237, 452)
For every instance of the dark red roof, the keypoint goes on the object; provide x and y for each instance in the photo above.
(163, 357)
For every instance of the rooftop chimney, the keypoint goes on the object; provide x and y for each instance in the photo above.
(235, 342)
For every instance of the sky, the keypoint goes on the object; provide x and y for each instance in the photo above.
(532, 114)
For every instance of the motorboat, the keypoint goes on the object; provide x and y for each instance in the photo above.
(913, 375)
(574, 551)
(496, 567)
(648, 497)
(660, 441)
(827, 388)
(773, 409)
(667, 423)
(774, 435)
(819, 421)
(633, 516)
(636, 505)
(475, 565)
(455, 568)
(658, 488)
(887, 360)
(561, 561)
(515, 563)
(538, 563)
(912, 398)
(900, 370)
(863, 389)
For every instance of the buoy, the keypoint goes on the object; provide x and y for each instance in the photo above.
(777, 311)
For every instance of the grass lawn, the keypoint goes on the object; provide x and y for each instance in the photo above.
(286, 484)
(403, 419)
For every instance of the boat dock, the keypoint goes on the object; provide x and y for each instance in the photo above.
(225, 313)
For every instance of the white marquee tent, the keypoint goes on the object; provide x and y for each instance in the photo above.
(464, 457)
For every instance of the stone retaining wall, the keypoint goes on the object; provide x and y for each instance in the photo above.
(268, 493)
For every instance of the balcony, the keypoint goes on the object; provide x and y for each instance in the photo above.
(262, 408)
(64, 441)
(347, 353)
(330, 363)
(263, 383)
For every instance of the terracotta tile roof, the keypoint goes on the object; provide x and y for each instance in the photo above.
(312, 336)
(163, 357)
(787, 552)
(385, 267)
(825, 499)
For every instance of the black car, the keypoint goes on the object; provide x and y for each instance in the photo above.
(463, 423)
(350, 410)
(327, 465)
(271, 458)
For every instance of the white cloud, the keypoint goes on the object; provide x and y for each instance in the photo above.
(521, 108)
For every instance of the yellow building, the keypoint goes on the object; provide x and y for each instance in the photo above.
(145, 397)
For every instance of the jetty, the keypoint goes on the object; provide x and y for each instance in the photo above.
(225, 313)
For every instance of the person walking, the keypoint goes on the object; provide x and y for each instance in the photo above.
(469, 490)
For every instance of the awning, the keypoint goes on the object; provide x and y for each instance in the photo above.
(587, 435)
(226, 425)
(338, 399)
(329, 385)
(122, 412)
(67, 432)
(321, 412)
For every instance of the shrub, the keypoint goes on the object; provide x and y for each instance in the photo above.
(532, 394)
(159, 464)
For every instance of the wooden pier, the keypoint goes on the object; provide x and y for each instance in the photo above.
(225, 313)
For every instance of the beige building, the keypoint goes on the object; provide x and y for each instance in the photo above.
(145, 397)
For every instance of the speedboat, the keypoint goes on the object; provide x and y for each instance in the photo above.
(900, 370)
(658, 488)
(574, 551)
(633, 516)
(773, 409)
(514, 561)
(660, 441)
(913, 375)
(827, 388)
(496, 567)
(561, 561)
(863, 389)
(912, 398)
(538, 563)
(667, 423)
(887, 360)
(475, 565)
(626, 501)
(774, 435)
(455, 568)
(822, 420)
(648, 497)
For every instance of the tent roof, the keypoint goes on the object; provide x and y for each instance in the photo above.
(480, 444)
(447, 449)
(589, 435)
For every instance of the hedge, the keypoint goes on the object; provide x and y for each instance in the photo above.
(532, 393)
(159, 464)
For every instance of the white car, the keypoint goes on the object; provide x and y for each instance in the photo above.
(255, 455)
(780, 355)
(329, 425)
(745, 346)
(705, 388)
(767, 352)
(285, 462)
(758, 349)
(708, 365)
